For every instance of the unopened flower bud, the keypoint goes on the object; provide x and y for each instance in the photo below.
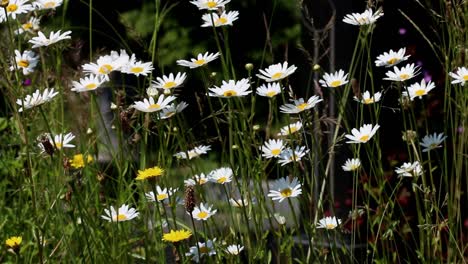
(167, 91)
(256, 127)
(152, 91)
(316, 67)
(89, 131)
(213, 74)
(249, 66)
(113, 106)
(235, 147)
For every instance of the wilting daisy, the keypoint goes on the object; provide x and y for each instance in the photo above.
(47, 4)
(137, 68)
(272, 148)
(172, 109)
(231, 88)
(290, 129)
(26, 61)
(234, 249)
(197, 179)
(419, 89)
(329, 222)
(78, 161)
(30, 26)
(41, 40)
(459, 76)
(225, 19)
(150, 173)
(193, 153)
(221, 175)
(203, 212)
(89, 83)
(205, 249)
(283, 188)
(149, 105)
(161, 194)
(405, 73)
(210, 4)
(276, 72)
(176, 235)
(269, 89)
(108, 63)
(366, 18)
(14, 8)
(299, 105)
(367, 99)
(430, 142)
(288, 155)
(36, 99)
(239, 202)
(169, 82)
(14, 242)
(280, 219)
(335, 79)
(362, 135)
(409, 169)
(124, 213)
(351, 165)
(201, 60)
(391, 58)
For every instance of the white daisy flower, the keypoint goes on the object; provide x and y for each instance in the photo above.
(234, 249)
(203, 212)
(193, 153)
(221, 175)
(299, 105)
(430, 142)
(405, 73)
(334, 80)
(351, 165)
(210, 4)
(124, 213)
(288, 155)
(202, 59)
(59, 141)
(290, 129)
(409, 169)
(149, 105)
(14, 8)
(47, 4)
(107, 64)
(225, 19)
(460, 76)
(272, 148)
(137, 68)
(231, 88)
(362, 135)
(172, 109)
(366, 18)
(169, 82)
(329, 222)
(161, 194)
(30, 26)
(276, 72)
(205, 249)
(89, 83)
(36, 99)
(367, 99)
(391, 58)
(26, 61)
(269, 89)
(419, 89)
(280, 219)
(197, 179)
(41, 40)
(283, 188)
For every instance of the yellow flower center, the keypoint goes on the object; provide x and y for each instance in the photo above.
(23, 63)
(392, 61)
(105, 69)
(465, 77)
(330, 226)
(302, 106)
(277, 75)
(275, 152)
(202, 215)
(12, 8)
(364, 138)
(271, 93)
(169, 85)
(291, 130)
(58, 145)
(404, 76)
(335, 83)
(420, 92)
(154, 106)
(121, 217)
(229, 93)
(211, 4)
(221, 21)
(362, 20)
(354, 167)
(202, 181)
(50, 4)
(27, 26)
(221, 180)
(204, 250)
(199, 62)
(369, 100)
(137, 69)
(91, 86)
(161, 196)
(286, 192)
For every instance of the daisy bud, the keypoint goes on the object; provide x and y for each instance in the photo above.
(235, 147)
(4, 3)
(249, 66)
(256, 127)
(113, 106)
(152, 92)
(213, 74)
(175, 129)
(167, 91)
(113, 127)
(316, 67)
(409, 135)
(89, 131)
(189, 199)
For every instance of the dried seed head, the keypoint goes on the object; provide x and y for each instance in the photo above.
(189, 199)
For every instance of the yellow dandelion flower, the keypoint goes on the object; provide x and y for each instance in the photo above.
(78, 161)
(150, 173)
(177, 235)
(14, 242)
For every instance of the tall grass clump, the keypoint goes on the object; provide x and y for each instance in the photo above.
(116, 156)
